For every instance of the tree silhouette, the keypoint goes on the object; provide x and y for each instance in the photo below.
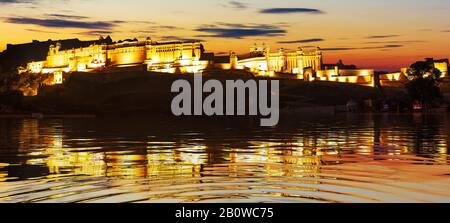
(422, 85)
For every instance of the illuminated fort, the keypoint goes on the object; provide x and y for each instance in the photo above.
(170, 57)
(103, 55)
(190, 57)
(306, 64)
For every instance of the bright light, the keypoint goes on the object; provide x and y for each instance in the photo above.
(58, 78)
(81, 67)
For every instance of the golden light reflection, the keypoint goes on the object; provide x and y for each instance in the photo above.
(294, 156)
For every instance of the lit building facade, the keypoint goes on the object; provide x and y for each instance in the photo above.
(171, 57)
(168, 57)
(261, 59)
(189, 57)
(441, 65)
(306, 64)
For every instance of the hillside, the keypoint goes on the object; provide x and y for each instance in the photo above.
(143, 92)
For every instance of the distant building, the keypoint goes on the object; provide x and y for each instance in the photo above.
(402, 76)
(306, 64)
(441, 65)
(261, 59)
(17, 55)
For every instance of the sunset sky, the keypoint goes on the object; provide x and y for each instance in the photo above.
(380, 34)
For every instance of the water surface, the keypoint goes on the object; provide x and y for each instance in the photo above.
(384, 158)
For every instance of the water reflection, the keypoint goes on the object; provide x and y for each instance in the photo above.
(346, 159)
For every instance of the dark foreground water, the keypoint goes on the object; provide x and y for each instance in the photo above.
(340, 159)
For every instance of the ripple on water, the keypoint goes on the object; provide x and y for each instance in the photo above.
(332, 184)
